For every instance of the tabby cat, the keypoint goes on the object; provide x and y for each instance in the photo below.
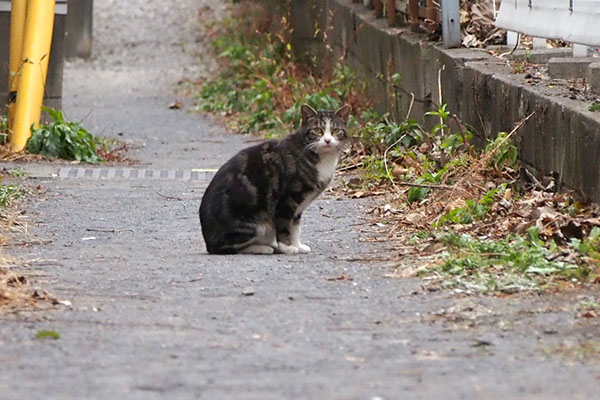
(256, 199)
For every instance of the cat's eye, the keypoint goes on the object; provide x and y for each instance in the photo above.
(318, 131)
(339, 132)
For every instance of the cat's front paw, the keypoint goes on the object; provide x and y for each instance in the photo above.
(287, 249)
(302, 248)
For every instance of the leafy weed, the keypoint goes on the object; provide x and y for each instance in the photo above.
(62, 139)
(47, 335)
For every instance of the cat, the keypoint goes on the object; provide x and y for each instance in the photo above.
(255, 201)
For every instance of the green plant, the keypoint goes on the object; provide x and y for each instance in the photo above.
(256, 68)
(473, 210)
(3, 129)
(443, 114)
(419, 236)
(16, 172)
(260, 85)
(378, 130)
(595, 106)
(47, 335)
(8, 193)
(502, 150)
(589, 246)
(518, 262)
(62, 139)
(417, 194)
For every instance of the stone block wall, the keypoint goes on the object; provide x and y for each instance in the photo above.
(562, 136)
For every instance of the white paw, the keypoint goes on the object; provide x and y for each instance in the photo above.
(289, 250)
(302, 248)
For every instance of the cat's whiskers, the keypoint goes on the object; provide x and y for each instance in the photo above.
(337, 145)
(312, 146)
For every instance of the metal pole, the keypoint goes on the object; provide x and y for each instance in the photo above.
(17, 25)
(39, 24)
(451, 22)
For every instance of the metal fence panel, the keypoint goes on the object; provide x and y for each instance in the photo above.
(576, 21)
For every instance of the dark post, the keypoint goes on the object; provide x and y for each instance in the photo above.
(78, 29)
(391, 12)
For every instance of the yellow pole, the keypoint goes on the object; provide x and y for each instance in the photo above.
(39, 23)
(17, 26)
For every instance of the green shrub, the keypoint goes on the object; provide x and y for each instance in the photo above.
(62, 139)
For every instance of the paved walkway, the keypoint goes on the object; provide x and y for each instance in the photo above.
(154, 316)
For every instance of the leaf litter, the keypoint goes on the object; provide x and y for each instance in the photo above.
(477, 222)
(16, 290)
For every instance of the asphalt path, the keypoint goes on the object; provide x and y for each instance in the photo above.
(153, 316)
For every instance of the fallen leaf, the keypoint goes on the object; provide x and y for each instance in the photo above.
(589, 314)
(47, 335)
(573, 229)
(398, 170)
(342, 277)
(414, 218)
(457, 203)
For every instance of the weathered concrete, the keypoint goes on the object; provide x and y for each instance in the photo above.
(594, 76)
(569, 67)
(563, 136)
(534, 56)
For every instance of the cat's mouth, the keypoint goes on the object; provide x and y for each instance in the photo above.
(328, 147)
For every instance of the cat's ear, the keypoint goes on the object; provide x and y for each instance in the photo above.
(307, 112)
(344, 112)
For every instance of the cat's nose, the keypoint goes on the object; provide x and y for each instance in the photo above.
(327, 140)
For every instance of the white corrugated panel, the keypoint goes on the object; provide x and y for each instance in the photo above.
(576, 21)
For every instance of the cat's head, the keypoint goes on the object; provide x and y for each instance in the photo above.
(325, 131)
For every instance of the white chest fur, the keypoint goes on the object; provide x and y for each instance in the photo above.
(326, 170)
(326, 167)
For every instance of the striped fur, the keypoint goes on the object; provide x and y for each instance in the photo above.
(256, 199)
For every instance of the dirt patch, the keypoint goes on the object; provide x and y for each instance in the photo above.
(16, 291)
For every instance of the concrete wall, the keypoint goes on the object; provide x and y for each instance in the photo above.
(562, 136)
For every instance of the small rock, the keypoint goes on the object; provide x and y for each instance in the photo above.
(248, 291)
(505, 204)
(510, 289)
(414, 218)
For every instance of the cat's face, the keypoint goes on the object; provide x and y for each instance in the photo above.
(326, 131)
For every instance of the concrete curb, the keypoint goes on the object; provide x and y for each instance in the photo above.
(563, 136)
